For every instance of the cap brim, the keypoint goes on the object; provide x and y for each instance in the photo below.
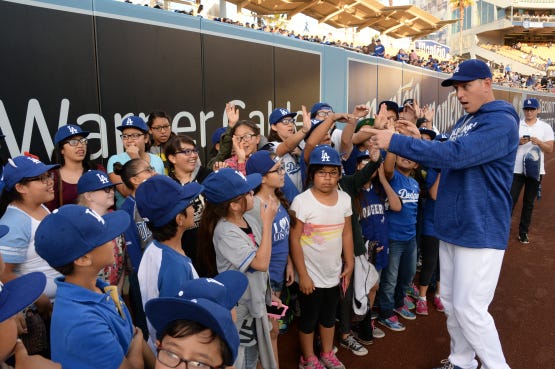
(450, 81)
(235, 284)
(290, 115)
(37, 170)
(19, 293)
(82, 133)
(116, 223)
(254, 180)
(193, 191)
(164, 310)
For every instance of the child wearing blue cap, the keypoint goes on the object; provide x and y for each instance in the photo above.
(135, 138)
(27, 186)
(96, 191)
(91, 326)
(185, 167)
(281, 265)
(196, 325)
(167, 209)
(234, 241)
(72, 154)
(286, 142)
(16, 295)
(319, 238)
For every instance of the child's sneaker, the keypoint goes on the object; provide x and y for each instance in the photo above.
(392, 323)
(405, 312)
(413, 292)
(283, 326)
(438, 304)
(421, 307)
(330, 361)
(352, 344)
(377, 332)
(310, 363)
(409, 303)
(448, 365)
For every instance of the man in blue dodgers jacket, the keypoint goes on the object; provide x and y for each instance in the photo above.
(473, 210)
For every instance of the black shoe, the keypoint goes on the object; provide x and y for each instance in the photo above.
(523, 238)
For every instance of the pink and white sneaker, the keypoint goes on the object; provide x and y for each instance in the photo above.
(438, 304)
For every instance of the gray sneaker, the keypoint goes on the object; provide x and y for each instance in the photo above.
(330, 361)
(352, 344)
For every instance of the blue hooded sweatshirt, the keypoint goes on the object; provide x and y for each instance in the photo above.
(473, 206)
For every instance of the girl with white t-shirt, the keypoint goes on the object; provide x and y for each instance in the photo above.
(321, 235)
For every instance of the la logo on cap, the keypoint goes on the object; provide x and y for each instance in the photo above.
(283, 111)
(129, 122)
(95, 215)
(325, 156)
(529, 102)
(241, 175)
(72, 130)
(102, 178)
(456, 69)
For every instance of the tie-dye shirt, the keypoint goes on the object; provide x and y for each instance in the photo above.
(321, 240)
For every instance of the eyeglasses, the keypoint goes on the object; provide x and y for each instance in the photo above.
(77, 141)
(44, 178)
(149, 169)
(246, 137)
(287, 121)
(108, 189)
(188, 152)
(132, 136)
(279, 170)
(161, 128)
(331, 174)
(324, 113)
(172, 360)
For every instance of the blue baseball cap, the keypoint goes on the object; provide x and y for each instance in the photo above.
(429, 132)
(442, 137)
(319, 106)
(23, 167)
(217, 135)
(94, 180)
(226, 184)
(324, 155)
(314, 123)
(67, 131)
(362, 154)
(160, 198)
(133, 122)
(71, 231)
(531, 104)
(468, 70)
(278, 114)
(206, 301)
(19, 293)
(260, 162)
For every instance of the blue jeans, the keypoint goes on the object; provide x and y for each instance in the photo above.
(397, 276)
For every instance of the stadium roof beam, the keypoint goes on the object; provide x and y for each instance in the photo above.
(396, 21)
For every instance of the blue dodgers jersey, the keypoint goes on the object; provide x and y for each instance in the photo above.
(473, 205)
(402, 224)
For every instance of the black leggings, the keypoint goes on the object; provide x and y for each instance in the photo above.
(430, 259)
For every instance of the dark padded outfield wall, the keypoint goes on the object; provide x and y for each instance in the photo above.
(93, 62)
(47, 75)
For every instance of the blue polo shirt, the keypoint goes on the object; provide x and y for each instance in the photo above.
(87, 330)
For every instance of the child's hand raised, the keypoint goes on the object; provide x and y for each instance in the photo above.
(269, 209)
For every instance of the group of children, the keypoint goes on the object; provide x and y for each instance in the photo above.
(189, 245)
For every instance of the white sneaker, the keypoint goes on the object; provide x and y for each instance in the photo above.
(352, 344)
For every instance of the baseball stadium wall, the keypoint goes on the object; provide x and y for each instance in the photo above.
(95, 62)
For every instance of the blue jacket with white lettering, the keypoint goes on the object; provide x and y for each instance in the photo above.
(473, 206)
